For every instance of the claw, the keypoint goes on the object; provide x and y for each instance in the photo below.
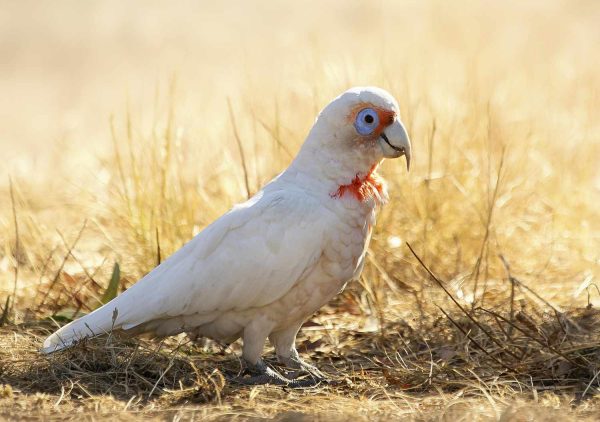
(261, 374)
(302, 368)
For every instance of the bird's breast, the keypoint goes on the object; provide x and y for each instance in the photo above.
(349, 240)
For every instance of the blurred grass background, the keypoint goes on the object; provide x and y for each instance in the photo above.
(121, 124)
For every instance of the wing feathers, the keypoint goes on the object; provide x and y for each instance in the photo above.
(248, 258)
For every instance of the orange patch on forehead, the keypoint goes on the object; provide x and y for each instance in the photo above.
(386, 117)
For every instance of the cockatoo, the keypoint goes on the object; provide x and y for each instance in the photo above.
(261, 269)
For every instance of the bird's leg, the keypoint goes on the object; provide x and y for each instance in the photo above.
(283, 341)
(254, 336)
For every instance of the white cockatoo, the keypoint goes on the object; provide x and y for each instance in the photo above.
(264, 267)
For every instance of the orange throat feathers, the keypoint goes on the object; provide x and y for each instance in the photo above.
(371, 186)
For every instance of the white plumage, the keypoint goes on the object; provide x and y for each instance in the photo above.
(265, 266)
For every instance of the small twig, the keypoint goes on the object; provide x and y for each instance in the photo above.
(62, 265)
(512, 293)
(161, 377)
(590, 384)
(17, 244)
(557, 311)
(501, 328)
(158, 254)
(523, 285)
(240, 147)
(552, 349)
(43, 272)
(4, 317)
(538, 297)
(483, 252)
(464, 311)
(87, 273)
(427, 182)
(60, 398)
(275, 137)
(391, 283)
(479, 346)
(589, 304)
(430, 376)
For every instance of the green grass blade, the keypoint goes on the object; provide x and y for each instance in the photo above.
(113, 287)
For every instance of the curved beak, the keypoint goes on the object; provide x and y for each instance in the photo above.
(394, 142)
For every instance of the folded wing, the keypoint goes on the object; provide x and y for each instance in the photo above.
(251, 256)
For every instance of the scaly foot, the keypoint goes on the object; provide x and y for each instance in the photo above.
(301, 368)
(261, 373)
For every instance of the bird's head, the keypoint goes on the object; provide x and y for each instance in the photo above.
(356, 131)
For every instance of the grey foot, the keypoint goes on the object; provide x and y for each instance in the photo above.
(261, 374)
(302, 368)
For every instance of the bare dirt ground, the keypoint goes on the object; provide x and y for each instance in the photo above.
(123, 130)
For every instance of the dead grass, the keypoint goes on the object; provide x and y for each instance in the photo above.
(497, 318)
(437, 366)
(510, 362)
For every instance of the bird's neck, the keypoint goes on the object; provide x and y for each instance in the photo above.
(364, 187)
(349, 179)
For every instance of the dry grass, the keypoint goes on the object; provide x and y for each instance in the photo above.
(207, 104)
(449, 367)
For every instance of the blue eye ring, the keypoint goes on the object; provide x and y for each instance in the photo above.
(366, 121)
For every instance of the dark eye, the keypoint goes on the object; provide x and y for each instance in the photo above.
(366, 121)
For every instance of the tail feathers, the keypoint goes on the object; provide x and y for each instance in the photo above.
(99, 322)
